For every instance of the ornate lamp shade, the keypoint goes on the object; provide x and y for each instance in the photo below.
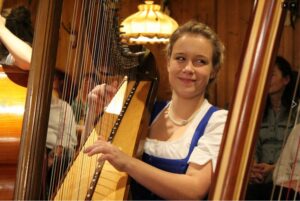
(148, 25)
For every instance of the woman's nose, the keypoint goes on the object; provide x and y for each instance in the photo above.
(189, 67)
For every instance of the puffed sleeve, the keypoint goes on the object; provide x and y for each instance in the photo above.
(209, 144)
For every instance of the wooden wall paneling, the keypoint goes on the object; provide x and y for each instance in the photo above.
(13, 3)
(203, 11)
(67, 48)
(296, 47)
(128, 7)
(30, 4)
(287, 44)
(232, 22)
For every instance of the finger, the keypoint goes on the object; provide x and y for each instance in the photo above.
(257, 181)
(88, 149)
(115, 84)
(92, 147)
(101, 137)
(256, 165)
(260, 177)
(98, 90)
(99, 147)
(256, 170)
(261, 165)
(110, 90)
(92, 150)
(92, 98)
(102, 158)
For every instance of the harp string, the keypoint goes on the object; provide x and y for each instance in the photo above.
(57, 166)
(92, 56)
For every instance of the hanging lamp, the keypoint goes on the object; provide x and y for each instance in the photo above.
(148, 25)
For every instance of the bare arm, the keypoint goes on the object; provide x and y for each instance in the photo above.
(19, 49)
(192, 185)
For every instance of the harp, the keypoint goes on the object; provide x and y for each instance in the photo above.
(27, 186)
(230, 181)
(140, 93)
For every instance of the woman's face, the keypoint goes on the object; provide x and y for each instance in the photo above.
(278, 82)
(190, 66)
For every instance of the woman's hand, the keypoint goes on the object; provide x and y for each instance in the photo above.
(55, 152)
(256, 175)
(109, 152)
(260, 171)
(101, 95)
(265, 169)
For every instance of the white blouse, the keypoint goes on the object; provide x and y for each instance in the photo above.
(61, 126)
(10, 60)
(208, 145)
(289, 159)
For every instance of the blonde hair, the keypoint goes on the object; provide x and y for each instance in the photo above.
(198, 28)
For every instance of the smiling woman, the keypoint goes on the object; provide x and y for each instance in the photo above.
(181, 150)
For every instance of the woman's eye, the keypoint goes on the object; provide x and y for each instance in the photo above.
(180, 58)
(199, 62)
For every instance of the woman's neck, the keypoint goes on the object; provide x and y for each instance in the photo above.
(55, 97)
(185, 108)
(276, 102)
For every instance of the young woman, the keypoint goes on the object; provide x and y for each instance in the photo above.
(182, 146)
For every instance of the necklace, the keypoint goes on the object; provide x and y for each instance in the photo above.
(181, 122)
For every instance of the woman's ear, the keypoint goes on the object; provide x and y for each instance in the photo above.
(287, 79)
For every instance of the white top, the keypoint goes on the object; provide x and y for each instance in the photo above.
(288, 161)
(10, 60)
(208, 145)
(61, 126)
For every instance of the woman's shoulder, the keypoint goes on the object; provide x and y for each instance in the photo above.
(216, 122)
(219, 113)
